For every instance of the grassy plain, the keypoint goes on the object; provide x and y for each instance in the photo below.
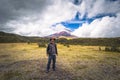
(22, 61)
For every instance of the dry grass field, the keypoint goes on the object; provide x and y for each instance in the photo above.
(22, 61)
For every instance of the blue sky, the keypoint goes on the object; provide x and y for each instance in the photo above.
(73, 23)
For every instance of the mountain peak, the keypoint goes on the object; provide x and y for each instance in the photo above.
(62, 34)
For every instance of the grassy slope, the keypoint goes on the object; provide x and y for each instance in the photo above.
(20, 61)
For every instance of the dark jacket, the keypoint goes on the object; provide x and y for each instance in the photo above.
(49, 49)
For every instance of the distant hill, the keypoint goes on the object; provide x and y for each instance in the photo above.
(10, 37)
(62, 34)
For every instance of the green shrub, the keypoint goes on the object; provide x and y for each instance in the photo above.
(112, 48)
(67, 45)
(28, 42)
(107, 49)
(41, 44)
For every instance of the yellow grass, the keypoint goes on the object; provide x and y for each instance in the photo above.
(22, 61)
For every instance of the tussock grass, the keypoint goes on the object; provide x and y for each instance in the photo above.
(22, 61)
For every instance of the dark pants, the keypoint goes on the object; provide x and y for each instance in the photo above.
(53, 58)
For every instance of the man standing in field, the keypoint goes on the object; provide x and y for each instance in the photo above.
(51, 53)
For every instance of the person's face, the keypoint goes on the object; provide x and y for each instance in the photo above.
(52, 41)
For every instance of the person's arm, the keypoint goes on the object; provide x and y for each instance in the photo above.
(56, 49)
(47, 50)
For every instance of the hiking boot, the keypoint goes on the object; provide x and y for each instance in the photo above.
(54, 70)
(47, 71)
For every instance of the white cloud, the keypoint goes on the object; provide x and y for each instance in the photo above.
(36, 28)
(105, 27)
(95, 7)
